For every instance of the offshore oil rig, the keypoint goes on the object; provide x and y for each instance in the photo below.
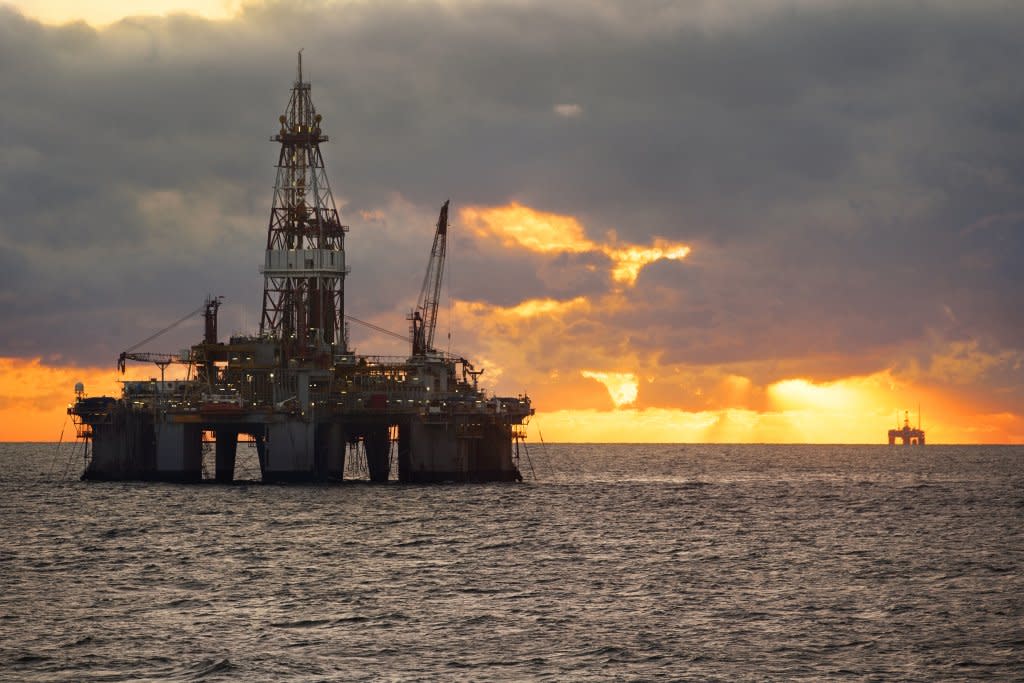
(910, 435)
(296, 389)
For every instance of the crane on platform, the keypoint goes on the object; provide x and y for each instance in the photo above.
(424, 317)
(162, 360)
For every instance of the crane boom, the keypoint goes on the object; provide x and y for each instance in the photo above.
(424, 318)
(160, 359)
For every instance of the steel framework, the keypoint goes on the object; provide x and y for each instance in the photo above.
(304, 270)
(424, 318)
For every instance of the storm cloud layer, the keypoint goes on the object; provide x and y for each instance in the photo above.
(848, 174)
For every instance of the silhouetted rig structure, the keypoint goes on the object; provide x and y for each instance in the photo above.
(910, 435)
(296, 389)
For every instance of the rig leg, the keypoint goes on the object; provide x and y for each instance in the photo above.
(261, 452)
(291, 452)
(378, 453)
(227, 445)
(179, 452)
(330, 451)
(404, 452)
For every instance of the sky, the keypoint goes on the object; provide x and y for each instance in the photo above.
(704, 221)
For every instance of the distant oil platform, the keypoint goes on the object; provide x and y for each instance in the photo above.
(912, 436)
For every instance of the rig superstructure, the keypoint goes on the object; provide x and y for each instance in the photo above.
(296, 389)
(911, 436)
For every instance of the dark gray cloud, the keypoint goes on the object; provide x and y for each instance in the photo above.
(850, 173)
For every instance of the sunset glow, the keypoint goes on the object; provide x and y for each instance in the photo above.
(34, 395)
(518, 225)
(521, 226)
(540, 309)
(622, 386)
(857, 423)
(630, 260)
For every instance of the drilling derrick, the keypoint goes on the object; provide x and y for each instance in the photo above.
(304, 270)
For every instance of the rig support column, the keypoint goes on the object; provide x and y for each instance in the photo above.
(227, 445)
(330, 451)
(179, 452)
(291, 452)
(259, 439)
(404, 452)
(377, 442)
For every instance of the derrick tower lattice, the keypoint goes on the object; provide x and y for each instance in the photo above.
(304, 270)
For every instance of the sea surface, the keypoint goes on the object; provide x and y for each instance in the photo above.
(611, 562)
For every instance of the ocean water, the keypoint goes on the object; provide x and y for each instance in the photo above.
(612, 562)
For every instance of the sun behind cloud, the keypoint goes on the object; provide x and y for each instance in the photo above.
(622, 386)
(854, 410)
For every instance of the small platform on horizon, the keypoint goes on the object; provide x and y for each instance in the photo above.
(910, 435)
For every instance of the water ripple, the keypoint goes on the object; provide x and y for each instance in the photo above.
(621, 562)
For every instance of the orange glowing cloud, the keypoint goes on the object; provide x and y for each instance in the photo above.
(531, 308)
(518, 225)
(539, 231)
(536, 344)
(622, 386)
(629, 260)
(606, 391)
(566, 352)
(542, 328)
(578, 400)
(538, 307)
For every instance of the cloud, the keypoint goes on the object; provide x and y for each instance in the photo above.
(568, 111)
(522, 226)
(622, 386)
